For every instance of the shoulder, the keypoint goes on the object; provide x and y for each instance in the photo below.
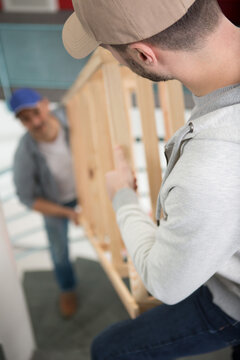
(207, 171)
(222, 125)
(24, 148)
(23, 143)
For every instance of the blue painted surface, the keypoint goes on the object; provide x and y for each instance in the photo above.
(4, 80)
(35, 57)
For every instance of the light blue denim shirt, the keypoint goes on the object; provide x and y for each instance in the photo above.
(31, 173)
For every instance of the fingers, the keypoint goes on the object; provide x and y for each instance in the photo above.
(74, 216)
(119, 157)
(135, 186)
(76, 220)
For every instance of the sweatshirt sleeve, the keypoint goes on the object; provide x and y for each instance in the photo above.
(201, 229)
(24, 175)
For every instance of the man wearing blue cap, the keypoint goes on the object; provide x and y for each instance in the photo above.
(42, 175)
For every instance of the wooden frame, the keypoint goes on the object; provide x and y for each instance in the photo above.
(98, 112)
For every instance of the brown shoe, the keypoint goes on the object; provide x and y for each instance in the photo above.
(68, 303)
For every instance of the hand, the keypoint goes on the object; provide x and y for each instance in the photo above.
(122, 176)
(73, 215)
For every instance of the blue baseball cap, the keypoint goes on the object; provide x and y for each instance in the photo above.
(24, 99)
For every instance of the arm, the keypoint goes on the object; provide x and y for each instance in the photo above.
(24, 178)
(24, 174)
(201, 232)
(52, 209)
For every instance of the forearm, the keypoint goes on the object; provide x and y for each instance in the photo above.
(137, 229)
(49, 208)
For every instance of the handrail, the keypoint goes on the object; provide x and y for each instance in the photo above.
(90, 69)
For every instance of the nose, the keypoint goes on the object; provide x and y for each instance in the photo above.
(36, 121)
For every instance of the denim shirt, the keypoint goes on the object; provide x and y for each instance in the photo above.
(31, 174)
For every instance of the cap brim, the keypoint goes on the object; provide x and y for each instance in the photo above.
(76, 40)
(26, 106)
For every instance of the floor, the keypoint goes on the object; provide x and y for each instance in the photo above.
(59, 339)
(56, 336)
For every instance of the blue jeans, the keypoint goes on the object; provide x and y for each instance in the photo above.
(57, 232)
(193, 326)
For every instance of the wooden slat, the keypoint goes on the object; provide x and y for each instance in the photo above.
(150, 138)
(118, 112)
(89, 70)
(104, 157)
(75, 108)
(98, 58)
(85, 164)
(128, 78)
(123, 292)
(172, 104)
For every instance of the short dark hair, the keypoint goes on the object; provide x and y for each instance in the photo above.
(190, 31)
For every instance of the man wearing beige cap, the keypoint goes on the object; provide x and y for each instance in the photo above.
(191, 261)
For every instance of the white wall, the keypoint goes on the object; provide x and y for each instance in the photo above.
(16, 334)
(30, 5)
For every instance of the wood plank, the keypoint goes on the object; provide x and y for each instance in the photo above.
(89, 70)
(117, 109)
(146, 104)
(128, 78)
(74, 108)
(84, 155)
(98, 58)
(172, 104)
(122, 290)
(99, 123)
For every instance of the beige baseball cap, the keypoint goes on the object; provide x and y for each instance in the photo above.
(114, 22)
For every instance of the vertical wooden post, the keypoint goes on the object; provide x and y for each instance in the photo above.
(118, 112)
(172, 103)
(150, 138)
(104, 158)
(121, 134)
(82, 142)
(76, 110)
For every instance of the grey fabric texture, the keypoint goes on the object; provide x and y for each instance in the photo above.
(198, 240)
(31, 174)
(218, 99)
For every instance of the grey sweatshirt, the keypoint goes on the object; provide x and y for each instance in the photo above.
(198, 240)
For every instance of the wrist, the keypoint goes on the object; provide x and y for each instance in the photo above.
(125, 196)
(117, 188)
(66, 212)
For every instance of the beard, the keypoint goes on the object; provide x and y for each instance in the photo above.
(139, 70)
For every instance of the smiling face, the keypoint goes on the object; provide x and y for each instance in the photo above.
(36, 119)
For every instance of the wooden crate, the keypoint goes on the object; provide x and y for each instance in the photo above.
(98, 111)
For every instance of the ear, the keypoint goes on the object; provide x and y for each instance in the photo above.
(145, 53)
